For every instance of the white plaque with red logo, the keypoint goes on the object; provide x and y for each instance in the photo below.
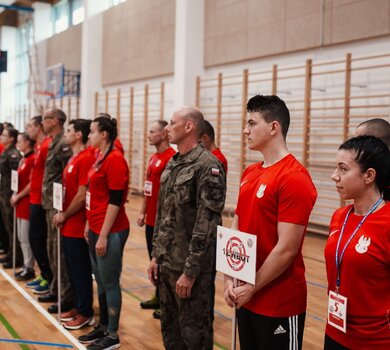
(236, 254)
(14, 180)
(57, 196)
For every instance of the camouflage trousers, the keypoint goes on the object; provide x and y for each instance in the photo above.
(185, 323)
(7, 213)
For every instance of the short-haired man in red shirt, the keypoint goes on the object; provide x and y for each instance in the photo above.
(72, 222)
(158, 138)
(207, 138)
(275, 200)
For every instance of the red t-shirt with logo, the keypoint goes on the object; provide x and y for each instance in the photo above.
(24, 176)
(282, 192)
(38, 170)
(157, 164)
(364, 278)
(112, 174)
(217, 152)
(75, 175)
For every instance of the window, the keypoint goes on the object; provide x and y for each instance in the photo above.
(14, 83)
(67, 13)
(110, 3)
(61, 16)
(77, 7)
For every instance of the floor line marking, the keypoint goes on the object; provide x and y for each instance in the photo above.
(50, 318)
(11, 330)
(32, 342)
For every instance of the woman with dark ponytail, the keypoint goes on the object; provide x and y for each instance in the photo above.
(357, 252)
(107, 230)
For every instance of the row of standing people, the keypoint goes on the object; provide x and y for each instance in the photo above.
(276, 197)
(63, 156)
(93, 224)
(275, 200)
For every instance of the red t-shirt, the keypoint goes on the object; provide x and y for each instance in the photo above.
(157, 164)
(217, 152)
(38, 170)
(283, 192)
(1, 148)
(118, 145)
(112, 174)
(364, 278)
(75, 175)
(24, 176)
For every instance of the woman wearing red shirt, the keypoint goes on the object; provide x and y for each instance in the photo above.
(107, 230)
(22, 202)
(357, 251)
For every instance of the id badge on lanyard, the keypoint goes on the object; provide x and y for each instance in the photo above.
(337, 311)
(88, 200)
(148, 187)
(337, 303)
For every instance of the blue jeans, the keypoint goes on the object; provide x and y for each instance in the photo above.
(107, 271)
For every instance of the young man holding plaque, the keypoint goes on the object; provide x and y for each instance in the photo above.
(275, 201)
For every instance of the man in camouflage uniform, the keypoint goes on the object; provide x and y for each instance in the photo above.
(9, 160)
(191, 199)
(57, 157)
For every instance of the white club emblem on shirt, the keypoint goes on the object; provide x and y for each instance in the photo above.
(158, 163)
(261, 190)
(362, 246)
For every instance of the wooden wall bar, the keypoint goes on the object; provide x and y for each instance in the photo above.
(327, 100)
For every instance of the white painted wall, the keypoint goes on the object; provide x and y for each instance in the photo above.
(91, 62)
(188, 49)
(42, 21)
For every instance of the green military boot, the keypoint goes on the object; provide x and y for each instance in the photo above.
(150, 304)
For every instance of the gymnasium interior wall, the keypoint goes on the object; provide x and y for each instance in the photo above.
(328, 59)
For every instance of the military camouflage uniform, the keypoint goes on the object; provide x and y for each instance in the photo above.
(9, 160)
(57, 158)
(191, 199)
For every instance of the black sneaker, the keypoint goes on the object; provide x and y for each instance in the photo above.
(25, 275)
(150, 304)
(20, 272)
(106, 343)
(97, 333)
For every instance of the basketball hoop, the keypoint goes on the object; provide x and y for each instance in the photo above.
(45, 93)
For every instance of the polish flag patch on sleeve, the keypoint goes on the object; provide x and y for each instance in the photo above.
(215, 171)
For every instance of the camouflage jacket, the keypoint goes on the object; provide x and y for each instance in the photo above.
(191, 199)
(57, 158)
(9, 160)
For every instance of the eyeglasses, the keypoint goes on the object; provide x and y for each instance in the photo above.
(47, 117)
